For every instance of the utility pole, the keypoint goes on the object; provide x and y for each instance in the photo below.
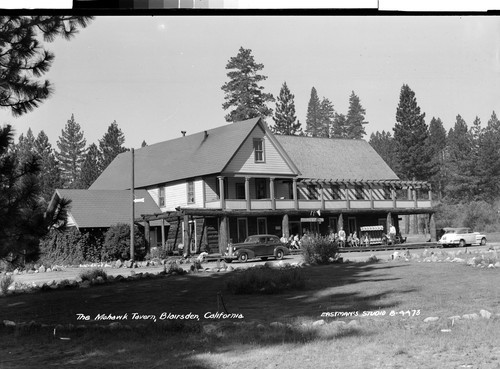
(132, 202)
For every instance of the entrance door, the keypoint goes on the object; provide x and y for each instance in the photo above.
(192, 236)
(351, 225)
(295, 228)
(242, 224)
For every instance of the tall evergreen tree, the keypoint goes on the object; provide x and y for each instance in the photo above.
(383, 143)
(410, 138)
(90, 167)
(327, 114)
(488, 163)
(23, 218)
(313, 119)
(243, 93)
(437, 146)
(355, 118)
(339, 126)
(458, 163)
(285, 120)
(23, 59)
(50, 174)
(25, 146)
(111, 145)
(144, 144)
(71, 152)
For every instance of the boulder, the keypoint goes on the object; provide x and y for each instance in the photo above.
(353, 323)
(118, 263)
(485, 314)
(41, 269)
(318, 322)
(473, 316)
(431, 319)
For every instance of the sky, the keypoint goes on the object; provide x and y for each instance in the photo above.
(160, 75)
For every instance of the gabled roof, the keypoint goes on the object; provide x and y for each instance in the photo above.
(335, 158)
(191, 156)
(104, 208)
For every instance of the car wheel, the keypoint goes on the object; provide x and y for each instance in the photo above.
(243, 257)
(461, 243)
(483, 241)
(264, 258)
(279, 254)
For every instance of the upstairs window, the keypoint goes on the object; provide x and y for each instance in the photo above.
(258, 147)
(190, 192)
(161, 197)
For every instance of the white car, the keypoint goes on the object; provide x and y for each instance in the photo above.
(461, 237)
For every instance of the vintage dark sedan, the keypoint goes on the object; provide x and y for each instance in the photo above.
(259, 246)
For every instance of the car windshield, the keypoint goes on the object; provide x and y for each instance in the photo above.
(457, 230)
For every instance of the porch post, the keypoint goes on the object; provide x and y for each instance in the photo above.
(430, 195)
(221, 192)
(247, 193)
(273, 198)
(163, 232)
(284, 226)
(347, 199)
(223, 234)
(393, 196)
(415, 201)
(432, 228)
(322, 194)
(295, 197)
(372, 204)
(147, 236)
(187, 237)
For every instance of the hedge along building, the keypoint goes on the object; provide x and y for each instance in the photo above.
(223, 184)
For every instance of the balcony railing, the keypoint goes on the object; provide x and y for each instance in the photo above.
(280, 204)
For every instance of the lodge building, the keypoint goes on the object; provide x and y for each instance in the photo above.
(221, 185)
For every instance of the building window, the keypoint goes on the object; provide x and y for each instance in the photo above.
(261, 226)
(190, 192)
(261, 188)
(258, 146)
(240, 191)
(161, 197)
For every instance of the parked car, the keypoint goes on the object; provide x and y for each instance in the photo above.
(259, 246)
(461, 237)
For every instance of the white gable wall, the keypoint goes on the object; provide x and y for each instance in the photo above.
(244, 160)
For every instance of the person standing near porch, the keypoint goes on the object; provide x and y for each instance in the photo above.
(392, 234)
(342, 237)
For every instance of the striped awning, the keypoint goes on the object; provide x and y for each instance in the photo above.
(392, 183)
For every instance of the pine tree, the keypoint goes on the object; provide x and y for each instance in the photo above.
(24, 218)
(313, 119)
(144, 144)
(327, 114)
(25, 147)
(488, 163)
(355, 118)
(111, 145)
(437, 146)
(339, 126)
(284, 114)
(383, 144)
(410, 138)
(243, 93)
(23, 59)
(71, 152)
(458, 163)
(90, 167)
(50, 175)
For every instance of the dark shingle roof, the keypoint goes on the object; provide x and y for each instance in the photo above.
(327, 158)
(104, 208)
(184, 157)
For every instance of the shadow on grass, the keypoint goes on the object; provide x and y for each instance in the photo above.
(356, 287)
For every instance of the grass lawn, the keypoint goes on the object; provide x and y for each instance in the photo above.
(424, 289)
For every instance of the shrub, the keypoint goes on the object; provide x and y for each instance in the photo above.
(117, 243)
(266, 280)
(5, 283)
(69, 247)
(319, 250)
(171, 266)
(478, 215)
(91, 274)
